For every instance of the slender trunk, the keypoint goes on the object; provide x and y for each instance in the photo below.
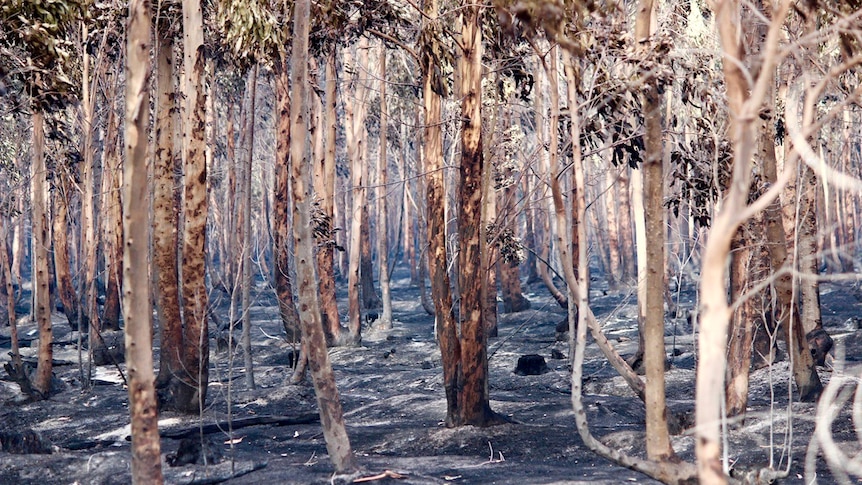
(246, 235)
(530, 230)
(566, 259)
(326, 170)
(113, 216)
(165, 268)
(624, 208)
(787, 311)
(328, 400)
(357, 195)
(230, 201)
(89, 243)
(613, 241)
(41, 241)
(549, 221)
(382, 205)
(192, 397)
(474, 404)
(17, 370)
(60, 201)
(137, 306)
(744, 101)
(510, 274)
(807, 254)
(488, 251)
(18, 246)
(748, 269)
(637, 184)
(407, 223)
(433, 88)
(281, 207)
(370, 300)
(658, 440)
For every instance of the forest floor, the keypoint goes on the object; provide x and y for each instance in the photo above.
(391, 389)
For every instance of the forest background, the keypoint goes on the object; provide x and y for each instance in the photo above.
(304, 144)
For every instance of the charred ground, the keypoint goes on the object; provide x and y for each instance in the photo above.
(391, 387)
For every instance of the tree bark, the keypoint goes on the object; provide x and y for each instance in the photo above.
(137, 306)
(328, 400)
(613, 242)
(510, 274)
(748, 269)
(89, 243)
(281, 208)
(382, 205)
(565, 258)
(230, 199)
(474, 404)
(41, 241)
(625, 223)
(60, 201)
(488, 252)
(807, 253)
(637, 184)
(530, 229)
(192, 396)
(6, 268)
(247, 283)
(545, 162)
(112, 210)
(325, 172)
(355, 130)
(745, 102)
(165, 268)
(437, 259)
(787, 311)
(657, 437)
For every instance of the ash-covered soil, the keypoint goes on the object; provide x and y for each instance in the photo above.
(391, 389)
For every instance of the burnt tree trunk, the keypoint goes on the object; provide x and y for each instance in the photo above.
(382, 205)
(657, 437)
(474, 405)
(60, 197)
(325, 172)
(112, 218)
(191, 398)
(137, 306)
(165, 240)
(281, 208)
(328, 400)
(247, 245)
(41, 242)
(546, 161)
(433, 88)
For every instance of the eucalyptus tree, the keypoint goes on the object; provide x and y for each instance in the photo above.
(39, 58)
(331, 414)
(137, 306)
(179, 223)
(335, 27)
(112, 210)
(360, 283)
(190, 396)
(658, 439)
(166, 208)
(382, 200)
(474, 403)
(433, 54)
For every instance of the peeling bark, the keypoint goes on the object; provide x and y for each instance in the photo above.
(137, 306)
(328, 400)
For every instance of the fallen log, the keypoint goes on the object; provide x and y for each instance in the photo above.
(239, 423)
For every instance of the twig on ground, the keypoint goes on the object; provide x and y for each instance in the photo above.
(381, 476)
(312, 460)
